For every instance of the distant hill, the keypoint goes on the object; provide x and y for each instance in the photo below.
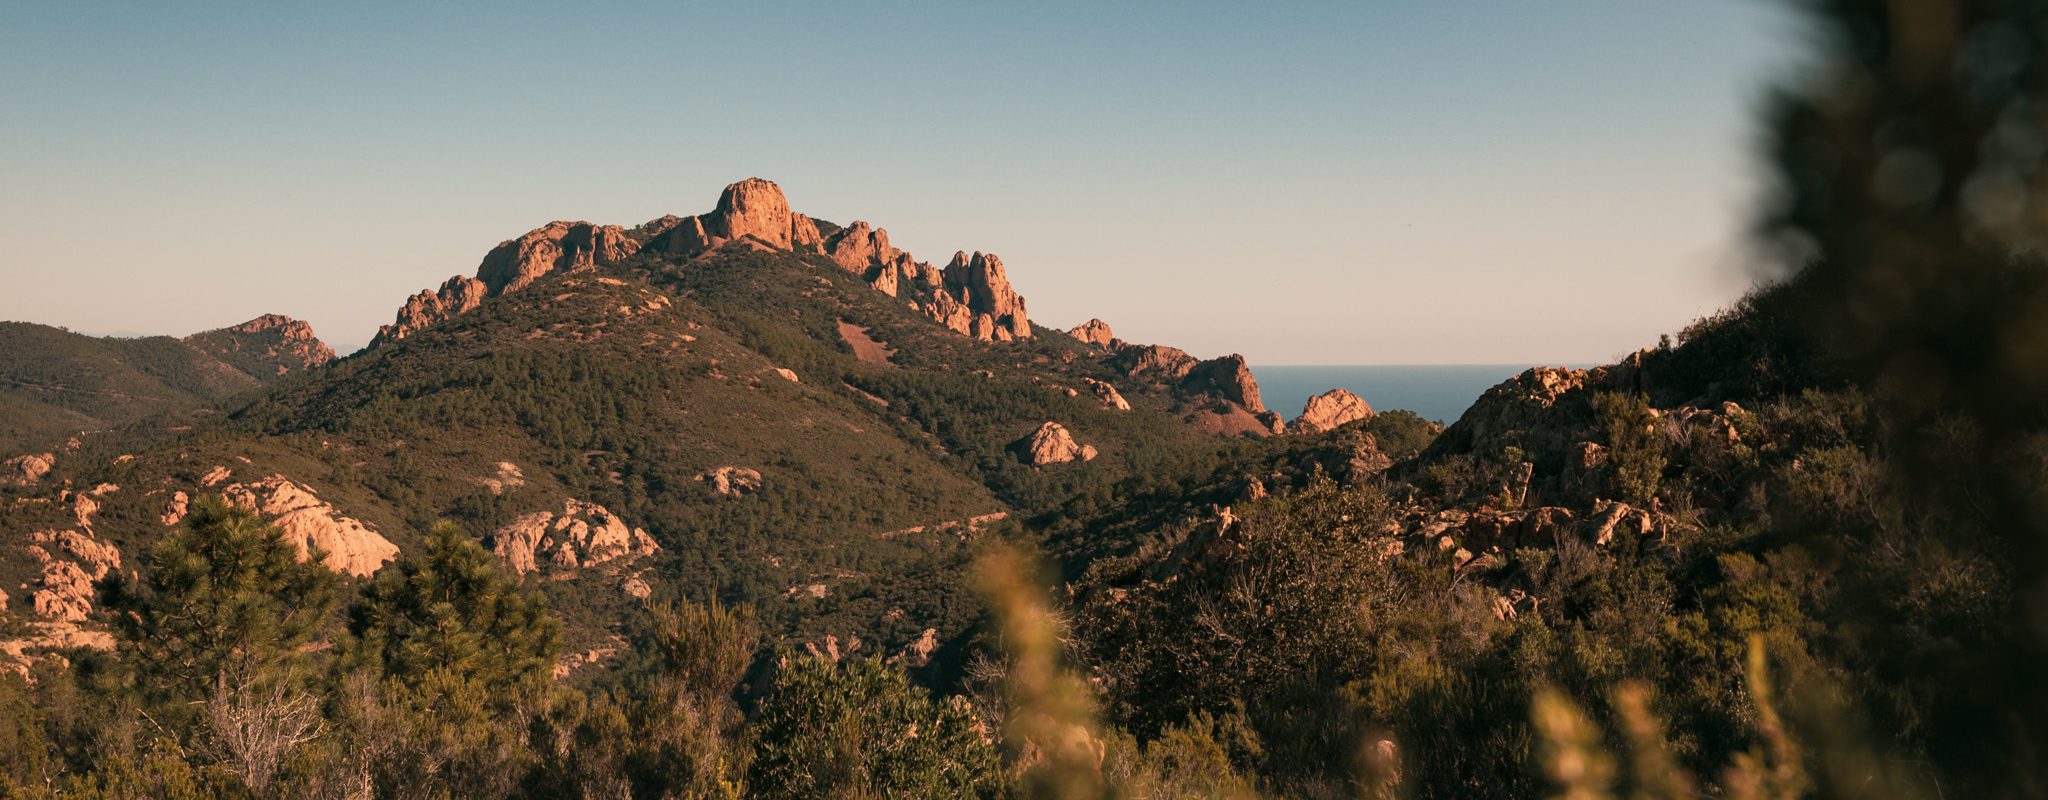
(55, 383)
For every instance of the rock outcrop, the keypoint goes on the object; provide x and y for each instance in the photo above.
(352, 547)
(1151, 361)
(751, 209)
(865, 251)
(558, 246)
(555, 247)
(972, 295)
(732, 481)
(1329, 410)
(175, 508)
(70, 562)
(26, 470)
(266, 347)
(507, 476)
(1108, 394)
(1095, 332)
(583, 535)
(975, 298)
(1227, 378)
(1052, 444)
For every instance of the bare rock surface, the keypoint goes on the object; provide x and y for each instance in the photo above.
(582, 535)
(70, 561)
(732, 481)
(26, 470)
(1108, 394)
(1331, 409)
(352, 547)
(1052, 443)
(1228, 378)
(972, 295)
(555, 247)
(1095, 332)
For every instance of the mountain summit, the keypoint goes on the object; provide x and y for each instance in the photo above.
(970, 295)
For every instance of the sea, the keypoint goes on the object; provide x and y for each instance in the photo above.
(1440, 392)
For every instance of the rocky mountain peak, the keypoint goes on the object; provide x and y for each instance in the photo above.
(972, 295)
(558, 246)
(267, 346)
(977, 283)
(757, 208)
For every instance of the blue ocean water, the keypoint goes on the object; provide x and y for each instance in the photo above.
(1437, 391)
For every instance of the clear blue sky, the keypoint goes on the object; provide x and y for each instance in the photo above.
(1370, 182)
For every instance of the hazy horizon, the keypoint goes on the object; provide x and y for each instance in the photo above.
(1355, 186)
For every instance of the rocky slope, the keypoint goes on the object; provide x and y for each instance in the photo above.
(269, 345)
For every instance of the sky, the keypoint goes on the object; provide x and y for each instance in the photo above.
(1347, 183)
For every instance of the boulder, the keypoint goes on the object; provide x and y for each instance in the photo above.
(1611, 517)
(1108, 394)
(508, 476)
(175, 508)
(1052, 444)
(1331, 409)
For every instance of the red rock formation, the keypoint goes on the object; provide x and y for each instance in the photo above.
(1331, 409)
(975, 298)
(732, 481)
(1095, 332)
(1052, 444)
(972, 295)
(26, 470)
(309, 523)
(555, 247)
(583, 535)
(1108, 394)
(1227, 378)
(1154, 361)
(757, 208)
(509, 267)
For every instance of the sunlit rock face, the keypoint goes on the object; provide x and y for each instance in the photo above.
(1329, 410)
(511, 266)
(971, 295)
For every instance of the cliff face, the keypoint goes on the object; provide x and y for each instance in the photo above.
(555, 247)
(972, 295)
